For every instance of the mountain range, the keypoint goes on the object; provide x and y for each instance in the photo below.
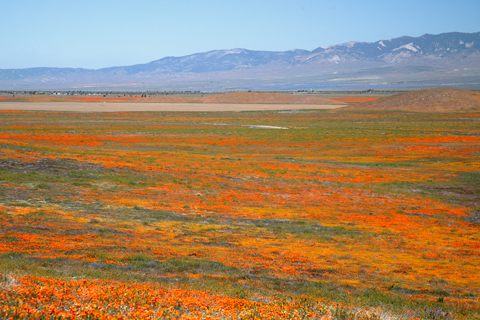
(448, 58)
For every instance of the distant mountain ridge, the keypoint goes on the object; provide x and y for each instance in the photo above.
(438, 58)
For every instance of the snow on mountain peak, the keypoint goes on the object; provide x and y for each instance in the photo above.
(408, 46)
(233, 51)
(346, 44)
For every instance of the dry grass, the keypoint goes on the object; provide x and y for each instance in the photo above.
(132, 106)
(225, 98)
(430, 100)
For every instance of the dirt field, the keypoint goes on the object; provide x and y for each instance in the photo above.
(230, 97)
(428, 100)
(123, 107)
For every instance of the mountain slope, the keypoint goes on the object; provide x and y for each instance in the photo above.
(438, 58)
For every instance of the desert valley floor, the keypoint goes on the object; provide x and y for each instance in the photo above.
(245, 206)
(155, 107)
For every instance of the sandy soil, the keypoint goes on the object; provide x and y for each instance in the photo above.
(122, 107)
(231, 97)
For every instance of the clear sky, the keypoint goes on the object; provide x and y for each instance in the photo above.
(98, 33)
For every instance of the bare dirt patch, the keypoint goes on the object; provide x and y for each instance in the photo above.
(124, 107)
(265, 97)
(231, 97)
(429, 100)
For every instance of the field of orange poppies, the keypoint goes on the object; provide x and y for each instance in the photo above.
(318, 214)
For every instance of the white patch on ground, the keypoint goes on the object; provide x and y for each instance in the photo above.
(217, 124)
(468, 45)
(408, 46)
(265, 127)
(292, 111)
(381, 43)
(461, 42)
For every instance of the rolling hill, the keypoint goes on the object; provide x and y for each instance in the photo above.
(429, 100)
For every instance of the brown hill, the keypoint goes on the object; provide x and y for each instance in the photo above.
(429, 100)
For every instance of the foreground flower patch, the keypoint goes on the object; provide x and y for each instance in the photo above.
(221, 215)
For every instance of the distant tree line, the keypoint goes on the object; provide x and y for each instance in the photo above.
(145, 94)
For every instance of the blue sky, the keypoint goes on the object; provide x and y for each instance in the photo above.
(96, 34)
